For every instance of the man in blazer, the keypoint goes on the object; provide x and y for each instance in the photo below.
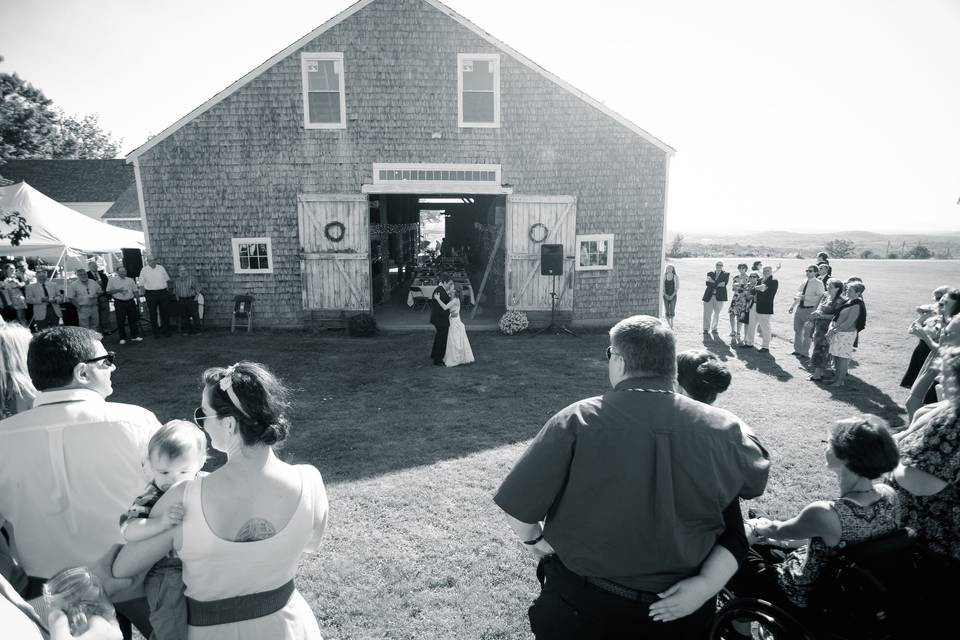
(760, 315)
(43, 296)
(713, 298)
(440, 318)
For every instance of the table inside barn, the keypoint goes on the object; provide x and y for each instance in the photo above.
(425, 282)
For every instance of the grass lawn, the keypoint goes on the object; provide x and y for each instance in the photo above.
(412, 453)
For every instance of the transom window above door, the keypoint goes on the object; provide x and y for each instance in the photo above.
(478, 90)
(324, 98)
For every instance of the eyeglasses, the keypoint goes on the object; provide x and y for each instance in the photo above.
(609, 352)
(110, 358)
(199, 416)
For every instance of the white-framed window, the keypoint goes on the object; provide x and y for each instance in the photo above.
(478, 89)
(324, 98)
(252, 255)
(595, 252)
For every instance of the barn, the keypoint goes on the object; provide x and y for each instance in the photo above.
(310, 182)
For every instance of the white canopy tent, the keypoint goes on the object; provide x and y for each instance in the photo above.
(59, 231)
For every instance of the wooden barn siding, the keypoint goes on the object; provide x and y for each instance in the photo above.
(236, 170)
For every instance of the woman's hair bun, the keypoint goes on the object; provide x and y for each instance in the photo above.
(275, 433)
(714, 376)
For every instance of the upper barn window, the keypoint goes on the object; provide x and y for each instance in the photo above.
(478, 89)
(324, 99)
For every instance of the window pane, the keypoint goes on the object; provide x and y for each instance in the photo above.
(323, 75)
(324, 107)
(261, 250)
(478, 107)
(244, 262)
(244, 250)
(261, 263)
(478, 75)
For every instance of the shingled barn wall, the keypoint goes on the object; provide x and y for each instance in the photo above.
(236, 170)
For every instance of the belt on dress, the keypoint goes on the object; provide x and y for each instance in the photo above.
(247, 607)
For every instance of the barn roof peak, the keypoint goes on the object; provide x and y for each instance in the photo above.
(348, 12)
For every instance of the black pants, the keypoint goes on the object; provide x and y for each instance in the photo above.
(570, 608)
(188, 314)
(127, 313)
(440, 343)
(158, 308)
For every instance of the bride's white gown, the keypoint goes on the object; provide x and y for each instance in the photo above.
(458, 347)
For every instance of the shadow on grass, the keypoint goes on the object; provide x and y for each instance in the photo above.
(763, 362)
(719, 348)
(365, 407)
(868, 399)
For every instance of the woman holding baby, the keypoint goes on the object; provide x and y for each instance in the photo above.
(246, 524)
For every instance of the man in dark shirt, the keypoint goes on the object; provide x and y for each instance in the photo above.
(760, 315)
(630, 489)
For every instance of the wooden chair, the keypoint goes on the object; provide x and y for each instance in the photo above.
(242, 310)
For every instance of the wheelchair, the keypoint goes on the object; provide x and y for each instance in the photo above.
(866, 592)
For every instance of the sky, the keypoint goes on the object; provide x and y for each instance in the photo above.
(812, 115)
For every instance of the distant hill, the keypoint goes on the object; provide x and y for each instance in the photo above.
(790, 243)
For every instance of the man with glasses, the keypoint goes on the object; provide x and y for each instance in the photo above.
(622, 495)
(71, 465)
(805, 301)
(713, 298)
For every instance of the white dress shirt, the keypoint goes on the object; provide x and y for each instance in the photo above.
(124, 288)
(69, 468)
(154, 278)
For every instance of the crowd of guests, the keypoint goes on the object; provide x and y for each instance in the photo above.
(654, 443)
(184, 554)
(32, 296)
(203, 555)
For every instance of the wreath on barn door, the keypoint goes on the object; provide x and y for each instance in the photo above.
(334, 231)
(536, 229)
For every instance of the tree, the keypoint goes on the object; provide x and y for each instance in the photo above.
(31, 127)
(919, 252)
(21, 230)
(867, 254)
(839, 248)
(676, 248)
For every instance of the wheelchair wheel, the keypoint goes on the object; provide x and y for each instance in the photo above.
(743, 618)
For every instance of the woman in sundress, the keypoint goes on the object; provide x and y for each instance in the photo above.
(246, 524)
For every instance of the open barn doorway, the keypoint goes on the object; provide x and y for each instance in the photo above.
(416, 237)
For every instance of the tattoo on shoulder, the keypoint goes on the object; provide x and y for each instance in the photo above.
(255, 529)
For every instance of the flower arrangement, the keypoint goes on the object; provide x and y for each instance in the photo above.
(513, 322)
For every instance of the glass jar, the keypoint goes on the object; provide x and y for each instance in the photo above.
(78, 593)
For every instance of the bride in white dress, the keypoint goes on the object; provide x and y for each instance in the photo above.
(458, 347)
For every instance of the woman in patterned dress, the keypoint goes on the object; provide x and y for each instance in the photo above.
(738, 303)
(821, 317)
(928, 486)
(859, 450)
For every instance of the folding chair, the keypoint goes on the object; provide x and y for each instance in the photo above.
(242, 310)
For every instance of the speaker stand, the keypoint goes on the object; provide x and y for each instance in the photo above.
(553, 327)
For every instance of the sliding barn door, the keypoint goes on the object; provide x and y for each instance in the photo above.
(335, 258)
(553, 220)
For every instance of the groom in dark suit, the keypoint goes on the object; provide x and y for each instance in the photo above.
(440, 318)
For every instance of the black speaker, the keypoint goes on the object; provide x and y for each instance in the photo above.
(132, 262)
(551, 259)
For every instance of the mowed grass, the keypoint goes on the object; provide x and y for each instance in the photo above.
(412, 453)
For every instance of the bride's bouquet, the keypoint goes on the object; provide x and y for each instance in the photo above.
(513, 322)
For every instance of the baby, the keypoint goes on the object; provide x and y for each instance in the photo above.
(176, 452)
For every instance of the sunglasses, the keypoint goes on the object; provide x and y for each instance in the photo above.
(199, 416)
(609, 352)
(110, 358)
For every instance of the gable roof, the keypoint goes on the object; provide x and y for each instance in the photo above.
(125, 206)
(72, 180)
(343, 15)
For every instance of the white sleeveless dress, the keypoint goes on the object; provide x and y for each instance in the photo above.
(214, 568)
(458, 347)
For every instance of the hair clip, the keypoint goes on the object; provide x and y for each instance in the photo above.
(226, 385)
